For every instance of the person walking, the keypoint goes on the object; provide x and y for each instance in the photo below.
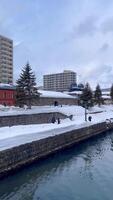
(53, 120)
(58, 120)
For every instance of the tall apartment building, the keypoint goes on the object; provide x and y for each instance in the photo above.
(59, 82)
(6, 60)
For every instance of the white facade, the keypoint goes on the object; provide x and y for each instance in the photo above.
(60, 81)
(6, 60)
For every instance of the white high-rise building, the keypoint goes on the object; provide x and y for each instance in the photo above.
(6, 60)
(60, 81)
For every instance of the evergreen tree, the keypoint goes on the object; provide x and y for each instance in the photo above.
(98, 95)
(111, 93)
(26, 90)
(86, 97)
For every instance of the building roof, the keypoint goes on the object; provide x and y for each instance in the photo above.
(7, 86)
(64, 72)
(106, 92)
(75, 92)
(105, 89)
(106, 97)
(6, 38)
(53, 94)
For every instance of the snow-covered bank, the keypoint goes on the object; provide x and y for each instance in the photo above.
(68, 110)
(16, 135)
(8, 111)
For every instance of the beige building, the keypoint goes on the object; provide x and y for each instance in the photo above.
(6, 60)
(60, 81)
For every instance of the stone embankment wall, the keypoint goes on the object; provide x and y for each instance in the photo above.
(17, 157)
(29, 119)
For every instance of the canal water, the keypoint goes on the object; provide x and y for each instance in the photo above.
(84, 172)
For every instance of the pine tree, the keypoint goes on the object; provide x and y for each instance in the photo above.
(111, 93)
(98, 95)
(26, 90)
(86, 97)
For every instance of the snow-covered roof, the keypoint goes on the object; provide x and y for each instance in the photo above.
(106, 92)
(53, 94)
(6, 86)
(75, 92)
(106, 97)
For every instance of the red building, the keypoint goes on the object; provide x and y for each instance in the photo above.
(7, 94)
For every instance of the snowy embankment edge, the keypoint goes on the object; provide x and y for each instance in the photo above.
(17, 157)
(19, 140)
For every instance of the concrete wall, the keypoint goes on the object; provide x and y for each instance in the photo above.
(29, 119)
(17, 157)
(50, 101)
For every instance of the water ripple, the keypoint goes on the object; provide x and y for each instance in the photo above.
(84, 172)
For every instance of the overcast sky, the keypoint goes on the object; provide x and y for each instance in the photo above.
(54, 35)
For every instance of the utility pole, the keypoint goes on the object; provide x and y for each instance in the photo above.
(85, 113)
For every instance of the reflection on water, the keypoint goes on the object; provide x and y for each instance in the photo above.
(84, 172)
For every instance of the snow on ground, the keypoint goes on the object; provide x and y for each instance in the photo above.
(16, 135)
(67, 110)
(102, 108)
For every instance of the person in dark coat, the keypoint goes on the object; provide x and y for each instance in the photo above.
(56, 103)
(89, 118)
(58, 120)
(71, 117)
(53, 120)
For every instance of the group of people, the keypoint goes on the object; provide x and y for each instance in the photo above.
(53, 120)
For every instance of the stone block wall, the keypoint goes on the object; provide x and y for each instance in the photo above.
(17, 157)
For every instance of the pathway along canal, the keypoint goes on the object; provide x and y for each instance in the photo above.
(84, 172)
